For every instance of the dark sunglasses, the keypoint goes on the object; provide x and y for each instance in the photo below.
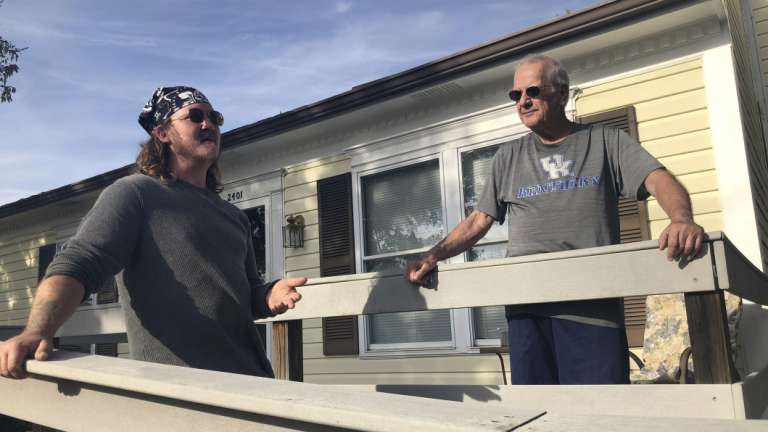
(196, 115)
(531, 92)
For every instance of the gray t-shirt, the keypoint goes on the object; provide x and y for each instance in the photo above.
(188, 281)
(565, 196)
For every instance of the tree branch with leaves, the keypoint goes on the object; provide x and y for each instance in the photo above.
(9, 56)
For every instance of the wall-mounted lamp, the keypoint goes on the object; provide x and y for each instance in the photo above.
(293, 232)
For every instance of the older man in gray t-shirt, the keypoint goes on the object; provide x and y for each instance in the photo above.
(565, 196)
(560, 187)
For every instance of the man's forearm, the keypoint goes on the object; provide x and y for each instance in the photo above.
(672, 196)
(56, 300)
(464, 236)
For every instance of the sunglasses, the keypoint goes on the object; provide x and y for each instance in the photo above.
(531, 92)
(196, 115)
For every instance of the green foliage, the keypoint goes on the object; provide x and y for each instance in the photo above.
(9, 56)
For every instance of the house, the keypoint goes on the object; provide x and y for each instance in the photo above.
(381, 172)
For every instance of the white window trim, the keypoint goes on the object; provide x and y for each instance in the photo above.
(476, 343)
(265, 190)
(374, 159)
(462, 331)
(402, 349)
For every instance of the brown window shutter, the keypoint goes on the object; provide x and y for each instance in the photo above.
(107, 293)
(106, 349)
(337, 256)
(633, 221)
(80, 348)
(45, 255)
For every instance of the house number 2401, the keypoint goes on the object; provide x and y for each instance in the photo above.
(235, 196)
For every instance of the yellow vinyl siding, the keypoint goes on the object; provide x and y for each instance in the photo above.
(310, 247)
(679, 144)
(19, 280)
(123, 351)
(477, 369)
(300, 198)
(313, 339)
(421, 365)
(19, 249)
(710, 222)
(302, 262)
(703, 203)
(300, 205)
(314, 171)
(673, 125)
(18, 274)
(307, 273)
(10, 267)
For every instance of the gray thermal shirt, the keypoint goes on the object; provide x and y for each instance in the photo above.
(187, 278)
(565, 196)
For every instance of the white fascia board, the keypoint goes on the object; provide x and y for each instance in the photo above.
(725, 123)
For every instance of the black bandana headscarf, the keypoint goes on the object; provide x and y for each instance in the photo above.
(165, 101)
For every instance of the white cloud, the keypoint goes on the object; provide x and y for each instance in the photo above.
(343, 6)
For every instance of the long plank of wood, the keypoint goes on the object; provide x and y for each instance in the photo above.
(287, 350)
(303, 406)
(604, 272)
(710, 344)
(280, 355)
(713, 401)
(63, 405)
(610, 271)
(91, 393)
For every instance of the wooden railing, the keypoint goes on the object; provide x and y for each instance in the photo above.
(76, 392)
(603, 272)
(181, 398)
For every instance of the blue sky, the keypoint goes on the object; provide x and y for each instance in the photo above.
(91, 65)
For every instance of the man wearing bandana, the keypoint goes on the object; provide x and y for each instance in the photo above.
(185, 265)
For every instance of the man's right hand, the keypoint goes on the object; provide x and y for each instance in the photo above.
(16, 350)
(418, 269)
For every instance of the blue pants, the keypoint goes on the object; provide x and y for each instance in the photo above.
(545, 350)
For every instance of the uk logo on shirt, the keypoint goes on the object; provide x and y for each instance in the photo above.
(556, 166)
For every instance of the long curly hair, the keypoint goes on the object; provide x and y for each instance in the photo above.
(154, 160)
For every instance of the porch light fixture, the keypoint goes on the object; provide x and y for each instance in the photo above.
(293, 232)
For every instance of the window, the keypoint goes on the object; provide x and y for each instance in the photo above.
(402, 217)
(257, 218)
(487, 322)
(408, 193)
(45, 255)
